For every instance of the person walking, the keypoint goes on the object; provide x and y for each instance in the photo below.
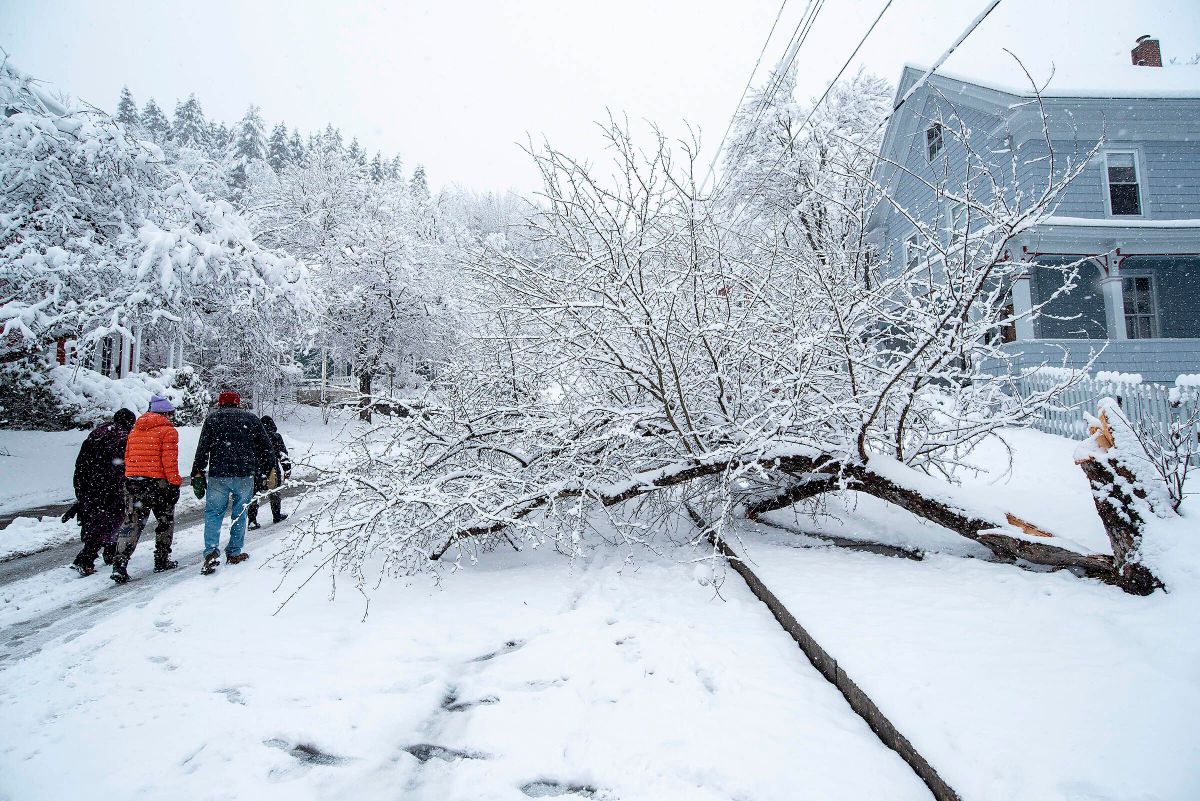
(100, 490)
(233, 450)
(281, 469)
(152, 483)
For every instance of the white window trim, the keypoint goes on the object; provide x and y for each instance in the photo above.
(1155, 326)
(932, 157)
(1138, 164)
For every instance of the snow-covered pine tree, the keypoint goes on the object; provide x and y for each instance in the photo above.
(356, 153)
(331, 139)
(155, 122)
(279, 153)
(127, 112)
(418, 187)
(378, 171)
(219, 138)
(249, 143)
(297, 151)
(189, 128)
(396, 169)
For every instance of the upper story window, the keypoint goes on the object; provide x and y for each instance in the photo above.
(1124, 188)
(934, 143)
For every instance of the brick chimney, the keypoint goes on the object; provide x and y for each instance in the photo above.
(1146, 53)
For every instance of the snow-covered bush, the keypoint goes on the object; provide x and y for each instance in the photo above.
(29, 399)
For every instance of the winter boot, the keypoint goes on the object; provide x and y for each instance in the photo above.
(120, 574)
(82, 568)
(163, 563)
(280, 519)
(211, 560)
(253, 525)
(236, 560)
(109, 553)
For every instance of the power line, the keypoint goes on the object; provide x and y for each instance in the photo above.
(797, 40)
(957, 43)
(738, 106)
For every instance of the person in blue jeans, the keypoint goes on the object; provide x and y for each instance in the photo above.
(233, 451)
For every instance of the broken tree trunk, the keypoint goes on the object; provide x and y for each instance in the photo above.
(1119, 503)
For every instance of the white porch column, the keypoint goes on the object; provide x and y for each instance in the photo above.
(1114, 302)
(1022, 297)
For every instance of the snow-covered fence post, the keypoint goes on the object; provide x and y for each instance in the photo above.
(1109, 458)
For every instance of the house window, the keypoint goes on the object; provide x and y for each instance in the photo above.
(956, 221)
(933, 140)
(1124, 191)
(1138, 291)
(913, 252)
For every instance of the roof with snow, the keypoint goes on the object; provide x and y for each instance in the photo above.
(1002, 72)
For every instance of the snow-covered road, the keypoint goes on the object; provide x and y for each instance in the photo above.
(522, 677)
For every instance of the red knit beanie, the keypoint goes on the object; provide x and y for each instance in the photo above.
(229, 398)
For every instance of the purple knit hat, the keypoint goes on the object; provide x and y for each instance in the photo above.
(161, 405)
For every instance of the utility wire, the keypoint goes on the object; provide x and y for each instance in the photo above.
(767, 100)
(957, 43)
(745, 89)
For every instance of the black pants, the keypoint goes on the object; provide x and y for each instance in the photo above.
(145, 496)
(276, 508)
(101, 519)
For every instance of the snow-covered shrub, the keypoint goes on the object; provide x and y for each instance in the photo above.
(92, 397)
(29, 399)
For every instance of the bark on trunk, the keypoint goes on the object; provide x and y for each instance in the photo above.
(364, 392)
(1122, 522)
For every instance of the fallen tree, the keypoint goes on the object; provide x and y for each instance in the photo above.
(641, 350)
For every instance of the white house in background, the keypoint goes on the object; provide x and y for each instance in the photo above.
(1134, 213)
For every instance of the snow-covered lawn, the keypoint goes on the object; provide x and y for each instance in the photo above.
(1015, 685)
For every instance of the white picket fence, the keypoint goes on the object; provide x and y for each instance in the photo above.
(1145, 404)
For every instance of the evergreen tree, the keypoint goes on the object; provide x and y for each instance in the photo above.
(279, 151)
(189, 128)
(419, 185)
(378, 170)
(155, 122)
(127, 113)
(356, 153)
(249, 143)
(218, 140)
(315, 145)
(331, 139)
(296, 148)
(396, 169)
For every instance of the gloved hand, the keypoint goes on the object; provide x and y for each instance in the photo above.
(199, 485)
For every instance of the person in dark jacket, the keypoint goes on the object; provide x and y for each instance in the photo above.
(281, 469)
(100, 490)
(234, 449)
(151, 487)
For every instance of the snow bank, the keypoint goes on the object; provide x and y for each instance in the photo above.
(28, 535)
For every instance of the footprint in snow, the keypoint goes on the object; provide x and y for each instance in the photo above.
(549, 788)
(509, 647)
(427, 751)
(233, 695)
(307, 753)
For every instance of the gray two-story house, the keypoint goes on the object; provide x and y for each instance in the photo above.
(1134, 210)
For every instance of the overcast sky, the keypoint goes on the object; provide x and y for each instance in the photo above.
(456, 85)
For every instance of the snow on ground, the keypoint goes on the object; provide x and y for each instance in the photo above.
(514, 678)
(27, 535)
(1017, 685)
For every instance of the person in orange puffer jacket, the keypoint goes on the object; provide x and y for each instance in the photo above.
(151, 485)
